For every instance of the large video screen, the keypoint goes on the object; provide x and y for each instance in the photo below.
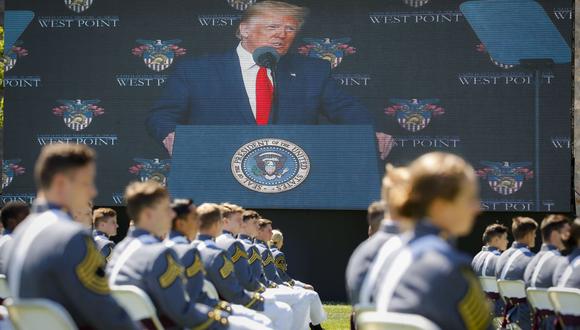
(359, 84)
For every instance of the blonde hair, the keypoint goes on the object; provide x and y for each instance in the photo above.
(209, 213)
(278, 7)
(432, 176)
(394, 188)
(277, 239)
(228, 209)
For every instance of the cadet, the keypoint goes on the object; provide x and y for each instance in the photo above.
(220, 271)
(496, 241)
(185, 226)
(232, 224)
(428, 275)
(12, 215)
(375, 216)
(540, 270)
(142, 260)
(567, 273)
(362, 270)
(63, 264)
(248, 231)
(105, 226)
(317, 313)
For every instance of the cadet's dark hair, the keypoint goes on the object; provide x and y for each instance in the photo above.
(209, 214)
(492, 231)
(60, 158)
(574, 233)
(182, 209)
(141, 195)
(249, 215)
(262, 223)
(375, 214)
(521, 226)
(432, 176)
(102, 214)
(552, 222)
(15, 211)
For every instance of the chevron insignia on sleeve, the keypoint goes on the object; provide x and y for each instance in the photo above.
(227, 268)
(90, 271)
(173, 271)
(239, 254)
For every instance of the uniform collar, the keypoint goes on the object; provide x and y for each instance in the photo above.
(204, 237)
(229, 233)
(42, 205)
(99, 233)
(177, 237)
(246, 58)
(259, 241)
(389, 226)
(138, 232)
(7, 232)
(491, 248)
(548, 247)
(246, 237)
(517, 245)
(485, 248)
(574, 253)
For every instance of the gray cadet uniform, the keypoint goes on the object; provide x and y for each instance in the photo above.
(241, 318)
(362, 258)
(484, 262)
(221, 273)
(511, 265)
(104, 244)
(540, 271)
(429, 277)
(255, 261)
(52, 257)
(237, 253)
(567, 273)
(144, 261)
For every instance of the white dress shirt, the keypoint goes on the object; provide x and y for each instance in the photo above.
(249, 73)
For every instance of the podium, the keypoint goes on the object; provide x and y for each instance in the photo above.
(277, 166)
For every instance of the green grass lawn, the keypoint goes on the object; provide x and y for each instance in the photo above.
(338, 316)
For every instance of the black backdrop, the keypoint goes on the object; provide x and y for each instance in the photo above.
(401, 53)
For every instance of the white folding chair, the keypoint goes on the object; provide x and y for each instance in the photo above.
(512, 292)
(33, 314)
(4, 288)
(509, 289)
(137, 303)
(488, 284)
(566, 302)
(540, 302)
(393, 321)
(210, 289)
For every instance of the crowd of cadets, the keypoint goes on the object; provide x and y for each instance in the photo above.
(409, 264)
(171, 252)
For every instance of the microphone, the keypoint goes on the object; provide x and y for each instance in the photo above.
(266, 56)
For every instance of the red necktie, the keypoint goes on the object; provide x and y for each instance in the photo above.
(264, 92)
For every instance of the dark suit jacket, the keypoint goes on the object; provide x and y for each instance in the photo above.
(210, 91)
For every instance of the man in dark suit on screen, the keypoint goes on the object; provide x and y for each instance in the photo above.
(231, 89)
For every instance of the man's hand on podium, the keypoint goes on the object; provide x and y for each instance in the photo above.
(168, 142)
(386, 143)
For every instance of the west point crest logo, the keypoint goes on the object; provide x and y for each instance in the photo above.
(414, 114)
(151, 169)
(241, 4)
(270, 165)
(332, 50)
(78, 114)
(158, 55)
(505, 178)
(481, 48)
(78, 6)
(11, 57)
(416, 3)
(10, 169)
